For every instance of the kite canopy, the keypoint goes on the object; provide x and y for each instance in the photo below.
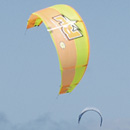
(70, 38)
(90, 109)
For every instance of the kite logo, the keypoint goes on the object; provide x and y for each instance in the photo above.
(68, 27)
(62, 45)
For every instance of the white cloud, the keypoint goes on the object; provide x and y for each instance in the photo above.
(47, 123)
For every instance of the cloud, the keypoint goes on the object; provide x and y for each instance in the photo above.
(4, 123)
(47, 123)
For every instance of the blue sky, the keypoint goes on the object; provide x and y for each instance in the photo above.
(29, 69)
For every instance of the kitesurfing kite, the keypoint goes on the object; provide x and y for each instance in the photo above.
(70, 38)
(90, 109)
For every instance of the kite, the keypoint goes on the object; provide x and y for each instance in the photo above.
(71, 41)
(90, 109)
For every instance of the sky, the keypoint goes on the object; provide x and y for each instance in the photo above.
(30, 74)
